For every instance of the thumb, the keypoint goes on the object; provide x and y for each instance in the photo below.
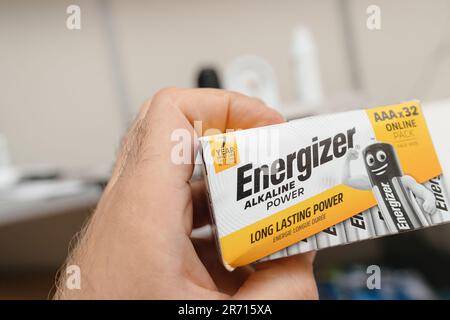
(287, 278)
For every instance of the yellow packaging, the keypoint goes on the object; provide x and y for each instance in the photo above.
(326, 180)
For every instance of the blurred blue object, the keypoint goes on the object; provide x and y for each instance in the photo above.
(351, 283)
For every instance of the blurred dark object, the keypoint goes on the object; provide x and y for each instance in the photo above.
(41, 176)
(411, 249)
(208, 78)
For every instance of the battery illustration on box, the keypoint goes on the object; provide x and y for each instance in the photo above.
(393, 191)
(359, 227)
(438, 188)
(306, 245)
(332, 236)
(277, 255)
(379, 224)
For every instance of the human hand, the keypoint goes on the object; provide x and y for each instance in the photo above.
(138, 242)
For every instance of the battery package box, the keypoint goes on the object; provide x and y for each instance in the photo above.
(322, 181)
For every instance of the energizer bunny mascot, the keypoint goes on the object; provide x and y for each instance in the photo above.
(391, 188)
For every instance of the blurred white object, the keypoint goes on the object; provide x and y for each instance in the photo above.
(253, 76)
(305, 66)
(36, 199)
(41, 189)
(8, 176)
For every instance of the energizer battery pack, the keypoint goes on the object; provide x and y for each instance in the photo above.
(322, 181)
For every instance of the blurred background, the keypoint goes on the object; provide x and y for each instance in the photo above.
(74, 73)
